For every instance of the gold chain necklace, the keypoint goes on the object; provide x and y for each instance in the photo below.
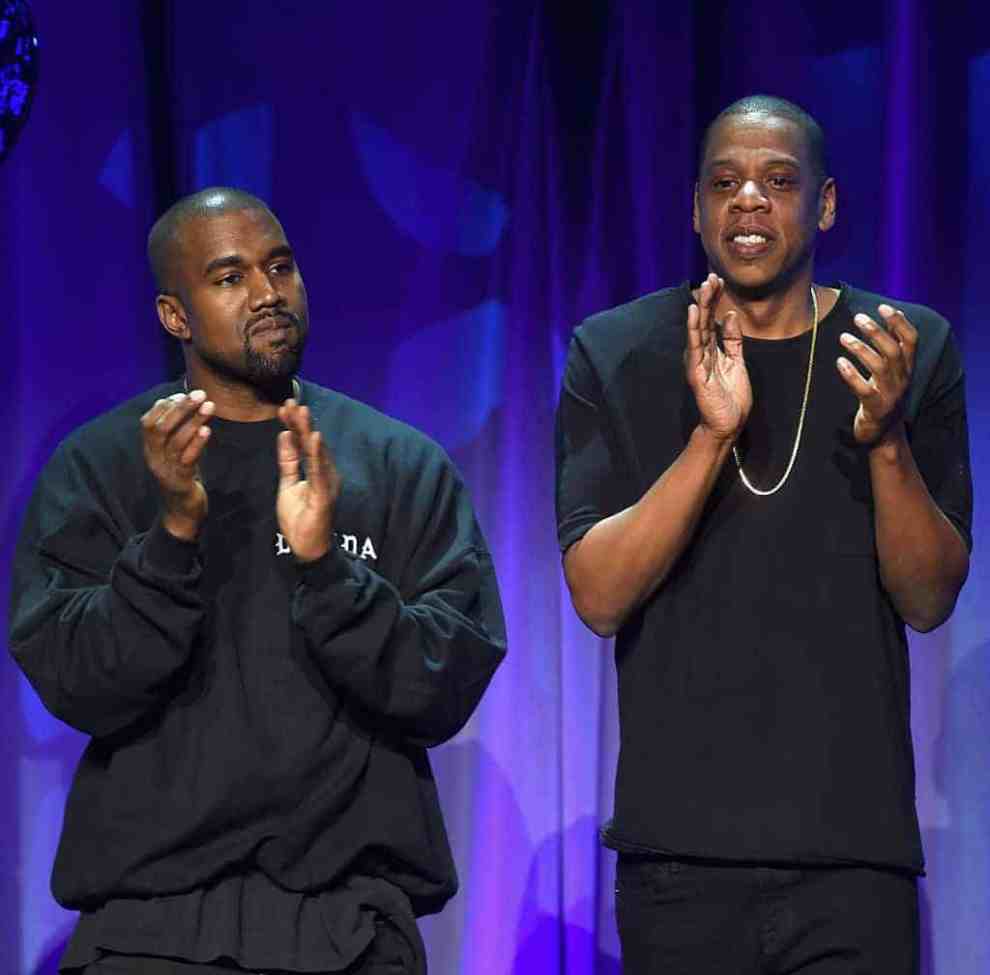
(804, 408)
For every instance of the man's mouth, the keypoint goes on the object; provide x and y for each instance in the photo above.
(273, 326)
(749, 244)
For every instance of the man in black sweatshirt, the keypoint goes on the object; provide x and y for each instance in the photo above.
(263, 601)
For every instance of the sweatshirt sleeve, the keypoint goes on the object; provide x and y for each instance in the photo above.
(100, 619)
(418, 651)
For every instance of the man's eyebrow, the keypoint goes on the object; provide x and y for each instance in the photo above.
(228, 260)
(235, 260)
(779, 160)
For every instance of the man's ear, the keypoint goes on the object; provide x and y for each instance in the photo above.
(172, 316)
(827, 202)
(695, 215)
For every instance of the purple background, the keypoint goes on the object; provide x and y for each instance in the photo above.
(463, 181)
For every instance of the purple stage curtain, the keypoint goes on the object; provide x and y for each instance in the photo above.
(463, 182)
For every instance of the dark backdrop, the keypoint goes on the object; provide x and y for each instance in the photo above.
(464, 180)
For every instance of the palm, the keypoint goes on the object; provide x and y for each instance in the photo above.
(714, 365)
(722, 391)
(299, 516)
(304, 508)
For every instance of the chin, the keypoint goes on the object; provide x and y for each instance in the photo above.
(755, 282)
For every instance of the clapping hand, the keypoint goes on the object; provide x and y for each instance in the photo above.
(305, 506)
(887, 356)
(174, 433)
(716, 370)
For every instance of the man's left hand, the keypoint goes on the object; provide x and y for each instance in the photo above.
(887, 356)
(305, 507)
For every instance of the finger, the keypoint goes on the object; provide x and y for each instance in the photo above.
(861, 387)
(304, 426)
(732, 336)
(881, 340)
(189, 433)
(150, 417)
(288, 460)
(901, 328)
(296, 418)
(287, 411)
(194, 449)
(693, 329)
(317, 465)
(179, 409)
(866, 354)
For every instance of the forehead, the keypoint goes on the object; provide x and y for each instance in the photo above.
(251, 234)
(739, 138)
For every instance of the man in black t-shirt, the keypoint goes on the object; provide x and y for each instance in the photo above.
(760, 481)
(261, 639)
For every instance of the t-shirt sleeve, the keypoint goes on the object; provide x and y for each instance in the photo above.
(586, 476)
(940, 441)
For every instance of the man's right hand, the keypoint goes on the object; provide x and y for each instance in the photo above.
(717, 373)
(175, 432)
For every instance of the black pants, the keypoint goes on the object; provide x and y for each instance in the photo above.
(388, 954)
(693, 918)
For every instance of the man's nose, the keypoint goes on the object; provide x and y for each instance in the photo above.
(263, 293)
(750, 196)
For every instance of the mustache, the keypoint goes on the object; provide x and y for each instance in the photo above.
(270, 319)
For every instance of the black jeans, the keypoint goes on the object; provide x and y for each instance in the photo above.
(679, 917)
(388, 954)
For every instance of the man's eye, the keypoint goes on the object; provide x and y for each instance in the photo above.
(780, 182)
(229, 279)
(723, 184)
(284, 268)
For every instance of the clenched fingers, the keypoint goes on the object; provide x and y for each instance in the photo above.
(175, 429)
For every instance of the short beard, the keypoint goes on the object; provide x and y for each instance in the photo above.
(270, 372)
(270, 376)
(769, 288)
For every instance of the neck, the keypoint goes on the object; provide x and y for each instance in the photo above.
(237, 399)
(779, 314)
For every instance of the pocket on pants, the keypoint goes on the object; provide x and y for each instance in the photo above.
(652, 880)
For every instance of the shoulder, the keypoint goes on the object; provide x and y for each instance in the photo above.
(937, 364)
(623, 328)
(357, 428)
(112, 436)
(934, 330)
(932, 327)
(656, 320)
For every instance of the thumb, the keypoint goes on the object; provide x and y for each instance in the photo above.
(732, 338)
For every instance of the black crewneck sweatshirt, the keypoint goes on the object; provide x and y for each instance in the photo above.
(258, 725)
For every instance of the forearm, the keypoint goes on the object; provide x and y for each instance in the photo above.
(99, 656)
(420, 665)
(923, 560)
(624, 558)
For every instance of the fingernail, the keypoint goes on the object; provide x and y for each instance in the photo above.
(197, 395)
(863, 320)
(885, 310)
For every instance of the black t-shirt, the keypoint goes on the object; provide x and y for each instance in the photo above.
(764, 688)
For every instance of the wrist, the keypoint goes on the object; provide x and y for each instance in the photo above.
(718, 444)
(891, 444)
(309, 555)
(182, 525)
